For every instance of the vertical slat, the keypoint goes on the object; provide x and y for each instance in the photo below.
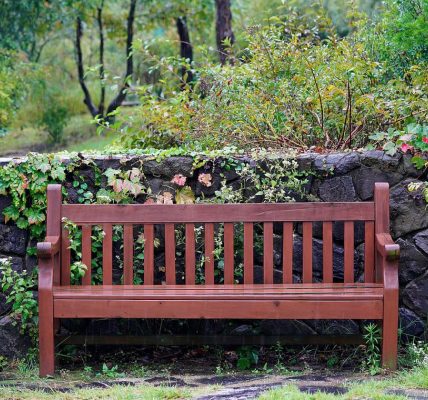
(190, 255)
(287, 252)
(87, 253)
(349, 252)
(53, 219)
(327, 252)
(248, 253)
(369, 252)
(128, 254)
(381, 203)
(228, 253)
(307, 252)
(65, 258)
(149, 254)
(107, 254)
(209, 256)
(268, 252)
(170, 254)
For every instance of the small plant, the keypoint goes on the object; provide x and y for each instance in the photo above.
(19, 288)
(415, 355)
(372, 337)
(3, 363)
(110, 372)
(247, 357)
(54, 119)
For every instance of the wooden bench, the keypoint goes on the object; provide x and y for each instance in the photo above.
(374, 298)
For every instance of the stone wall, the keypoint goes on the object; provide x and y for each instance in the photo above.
(334, 177)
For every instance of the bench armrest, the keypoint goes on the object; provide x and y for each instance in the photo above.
(386, 247)
(49, 247)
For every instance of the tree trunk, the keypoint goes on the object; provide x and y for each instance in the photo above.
(186, 51)
(101, 54)
(224, 32)
(80, 70)
(117, 101)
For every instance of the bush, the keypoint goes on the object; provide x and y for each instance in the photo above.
(54, 119)
(297, 86)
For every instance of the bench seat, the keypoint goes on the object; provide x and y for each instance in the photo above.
(303, 301)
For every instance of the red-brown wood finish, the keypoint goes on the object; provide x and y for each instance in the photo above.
(128, 254)
(190, 255)
(287, 252)
(87, 253)
(149, 254)
(375, 298)
(327, 251)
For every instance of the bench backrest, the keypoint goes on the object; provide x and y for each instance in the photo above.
(221, 220)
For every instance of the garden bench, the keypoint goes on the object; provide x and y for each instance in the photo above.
(375, 297)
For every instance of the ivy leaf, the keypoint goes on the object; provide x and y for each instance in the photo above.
(10, 213)
(34, 216)
(185, 196)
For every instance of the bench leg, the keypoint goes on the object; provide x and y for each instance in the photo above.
(390, 331)
(46, 341)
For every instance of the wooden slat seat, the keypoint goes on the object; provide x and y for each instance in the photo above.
(208, 271)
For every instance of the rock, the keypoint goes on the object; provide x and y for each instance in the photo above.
(335, 327)
(317, 266)
(305, 160)
(407, 168)
(12, 240)
(408, 210)
(421, 240)
(5, 201)
(415, 296)
(365, 177)
(258, 275)
(13, 344)
(285, 327)
(410, 324)
(338, 163)
(169, 167)
(412, 262)
(4, 307)
(159, 186)
(379, 159)
(242, 330)
(339, 188)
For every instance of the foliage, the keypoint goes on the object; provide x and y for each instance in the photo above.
(296, 86)
(14, 78)
(415, 356)
(401, 36)
(111, 372)
(247, 357)
(19, 288)
(54, 119)
(372, 337)
(414, 139)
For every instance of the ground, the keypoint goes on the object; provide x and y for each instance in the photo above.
(209, 374)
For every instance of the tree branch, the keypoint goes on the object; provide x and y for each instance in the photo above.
(117, 101)
(80, 71)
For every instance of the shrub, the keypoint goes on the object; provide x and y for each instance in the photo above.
(297, 86)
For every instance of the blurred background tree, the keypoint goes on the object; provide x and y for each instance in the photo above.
(210, 73)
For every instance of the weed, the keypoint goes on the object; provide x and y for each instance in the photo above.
(372, 337)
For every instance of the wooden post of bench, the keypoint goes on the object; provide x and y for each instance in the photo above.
(387, 254)
(48, 253)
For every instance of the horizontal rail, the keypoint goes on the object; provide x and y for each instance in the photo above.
(199, 340)
(206, 213)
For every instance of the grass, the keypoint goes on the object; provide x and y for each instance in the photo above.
(376, 389)
(143, 392)
(79, 135)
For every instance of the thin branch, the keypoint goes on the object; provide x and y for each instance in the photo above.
(80, 71)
